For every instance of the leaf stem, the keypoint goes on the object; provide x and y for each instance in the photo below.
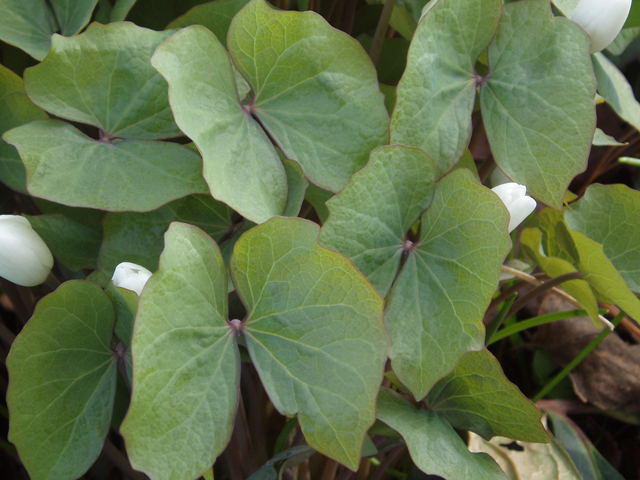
(381, 30)
(392, 457)
(497, 322)
(576, 361)
(330, 469)
(536, 322)
(561, 293)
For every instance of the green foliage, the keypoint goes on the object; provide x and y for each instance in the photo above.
(443, 289)
(314, 331)
(63, 382)
(287, 119)
(435, 447)
(476, 397)
(15, 109)
(185, 382)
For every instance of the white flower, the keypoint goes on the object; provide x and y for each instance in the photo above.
(24, 257)
(131, 276)
(515, 198)
(602, 20)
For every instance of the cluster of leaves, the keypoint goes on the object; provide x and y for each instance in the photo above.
(286, 114)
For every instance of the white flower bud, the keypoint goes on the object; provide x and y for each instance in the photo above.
(131, 277)
(515, 198)
(24, 257)
(602, 20)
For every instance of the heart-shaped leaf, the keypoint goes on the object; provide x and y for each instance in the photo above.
(438, 89)
(62, 384)
(145, 174)
(435, 308)
(370, 218)
(315, 90)
(538, 101)
(314, 331)
(187, 365)
(240, 164)
(103, 78)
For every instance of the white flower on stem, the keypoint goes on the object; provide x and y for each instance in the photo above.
(131, 277)
(602, 20)
(515, 198)
(24, 257)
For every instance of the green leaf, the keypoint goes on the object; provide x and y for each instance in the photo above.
(72, 15)
(240, 164)
(435, 447)
(614, 88)
(315, 333)
(62, 382)
(145, 174)
(602, 139)
(610, 215)
(437, 92)
(435, 309)
(27, 25)
(75, 245)
(588, 461)
(125, 304)
(566, 7)
(315, 90)
(215, 16)
(318, 198)
(607, 284)
(138, 237)
(477, 396)
(102, 77)
(527, 461)
(187, 365)
(15, 109)
(546, 222)
(297, 188)
(538, 101)
(120, 10)
(370, 218)
(530, 240)
(623, 40)
(293, 456)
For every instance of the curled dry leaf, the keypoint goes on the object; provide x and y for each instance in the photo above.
(609, 377)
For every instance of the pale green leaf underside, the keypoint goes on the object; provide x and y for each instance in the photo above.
(615, 89)
(138, 237)
(371, 216)
(538, 102)
(297, 185)
(477, 396)
(315, 90)
(435, 447)
(103, 78)
(187, 365)
(438, 89)
(610, 215)
(240, 164)
(435, 309)
(144, 174)
(62, 382)
(533, 461)
(15, 109)
(314, 331)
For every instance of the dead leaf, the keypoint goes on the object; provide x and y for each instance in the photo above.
(609, 377)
